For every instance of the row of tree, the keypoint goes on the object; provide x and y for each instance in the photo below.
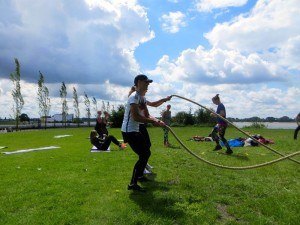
(267, 119)
(44, 102)
(200, 117)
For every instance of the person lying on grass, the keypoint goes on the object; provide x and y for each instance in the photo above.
(103, 143)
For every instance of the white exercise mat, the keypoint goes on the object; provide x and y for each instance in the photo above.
(94, 149)
(31, 150)
(62, 136)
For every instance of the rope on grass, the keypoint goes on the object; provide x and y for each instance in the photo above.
(231, 167)
(248, 135)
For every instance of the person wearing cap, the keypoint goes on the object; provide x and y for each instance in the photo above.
(143, 126)
(218, 131)
(136, 112)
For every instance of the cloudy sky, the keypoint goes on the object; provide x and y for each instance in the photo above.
(248, 51)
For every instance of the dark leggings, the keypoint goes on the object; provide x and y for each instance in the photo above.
(145, 133)
(218, 133)
(166, 136)
(139, 145)
(296, 132)
(106, 143)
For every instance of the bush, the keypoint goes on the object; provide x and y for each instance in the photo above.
(116, 116)
(184, 118)
(256, 125)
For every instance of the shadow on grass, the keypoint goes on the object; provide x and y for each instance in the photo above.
(236, 155)
(174, 147)
(160, 204)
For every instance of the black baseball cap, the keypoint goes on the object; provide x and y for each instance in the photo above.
(142, 77)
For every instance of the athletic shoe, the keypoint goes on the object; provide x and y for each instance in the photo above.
(229, 151)
(135, 187)
(149, 167)
(147, 171)
(217, 148)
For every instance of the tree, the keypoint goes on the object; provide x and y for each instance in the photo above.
(179, 117)
(184, 118)
(95, 107)
(43, 98)
(103, 108)
(87, 108)
(15, 77)
(64, 105)
(117, 116)
(189, 120)
(24, 118)
(202, 116)
(108, 107)
(76, 106)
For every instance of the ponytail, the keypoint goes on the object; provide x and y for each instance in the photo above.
(133, 89)
(216, 97)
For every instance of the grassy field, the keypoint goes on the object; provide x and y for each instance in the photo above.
(70, 185)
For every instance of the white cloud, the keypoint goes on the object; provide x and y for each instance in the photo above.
(269, 25)
(209, 5)
(270, 31)
(289, 53)
(173, 21)
(217, 66)
(72, 41)
(241, 100)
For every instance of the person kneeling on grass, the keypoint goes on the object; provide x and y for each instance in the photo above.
(103, 144)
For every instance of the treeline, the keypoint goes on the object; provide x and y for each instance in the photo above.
(200, 117)
(267, 119)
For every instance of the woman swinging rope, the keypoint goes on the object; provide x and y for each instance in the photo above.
(218, 131)
(131, 131)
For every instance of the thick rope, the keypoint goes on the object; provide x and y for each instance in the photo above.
(273, 150)
(230, 167)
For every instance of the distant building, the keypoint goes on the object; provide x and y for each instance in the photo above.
(59, 118)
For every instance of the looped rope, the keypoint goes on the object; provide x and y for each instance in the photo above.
(230, 167)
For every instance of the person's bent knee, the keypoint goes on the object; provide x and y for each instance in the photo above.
(145, 156)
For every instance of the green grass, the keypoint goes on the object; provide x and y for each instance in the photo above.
(70, 185)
